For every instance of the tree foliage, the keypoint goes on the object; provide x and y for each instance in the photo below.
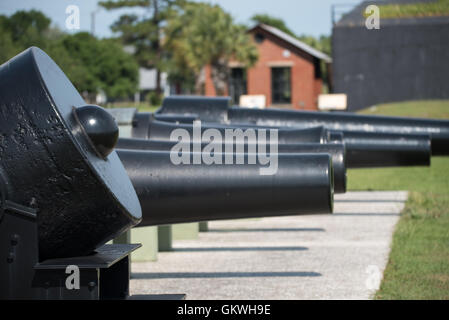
(109, 67)
(22, 30)
(413, 10)
(272, 21)
(143, 32)
(204, 34)
(322, 43)
(91, 64)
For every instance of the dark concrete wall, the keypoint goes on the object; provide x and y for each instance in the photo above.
(404, 60)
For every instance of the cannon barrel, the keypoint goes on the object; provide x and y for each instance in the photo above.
(160, 130)
(364, 149)
(220, 111)
(208, 109)
(337, 152)
(177, 118)
(58, 167)
(371, 150)
(170, 193)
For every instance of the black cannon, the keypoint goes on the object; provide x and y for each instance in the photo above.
(337, 152)
(219, 110)
(364, 149)
(153, 129)
(177, 192)
(175, 118)
(64, 191)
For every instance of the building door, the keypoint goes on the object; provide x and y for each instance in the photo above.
(281, 92)
(237, 85)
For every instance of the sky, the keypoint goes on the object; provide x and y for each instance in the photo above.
(312, 17)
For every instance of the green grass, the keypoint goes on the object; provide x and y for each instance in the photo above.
(413, 10)
(422, 179)
(419, 109)
(418, 266)
(142, 107)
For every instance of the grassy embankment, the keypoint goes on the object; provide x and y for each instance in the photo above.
(142, 107)
(418, 267)
(412, 10)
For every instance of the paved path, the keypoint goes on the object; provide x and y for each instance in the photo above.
(339, 256)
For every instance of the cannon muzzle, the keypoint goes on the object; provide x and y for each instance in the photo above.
(337, 152)
(371, 150)
(220, 111)
(176, 193)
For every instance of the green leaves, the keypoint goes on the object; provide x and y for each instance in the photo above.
(124, 3)
(143, 32)
(272, 21)
(91, 64)
(202, 35)
(105, 65)
(411, 10)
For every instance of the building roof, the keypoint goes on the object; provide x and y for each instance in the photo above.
(294, 42)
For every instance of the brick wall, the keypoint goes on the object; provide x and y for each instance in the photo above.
(274, 52)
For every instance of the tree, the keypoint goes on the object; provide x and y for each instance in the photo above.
(22, 30)
(322, 43)
(78, 73)
(28, 28)
(104, 64)
(90, 64)
(204, 34)
(8, 48)
(144, 34)
(272, 21)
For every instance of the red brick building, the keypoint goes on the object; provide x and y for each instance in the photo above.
(287, 73)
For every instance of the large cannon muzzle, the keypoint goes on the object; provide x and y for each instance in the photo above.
(176, 193)
(371, 150)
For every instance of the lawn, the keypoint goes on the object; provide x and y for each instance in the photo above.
(411, 10)
(418, 267)
(142, 107)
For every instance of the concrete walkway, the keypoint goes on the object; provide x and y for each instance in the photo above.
(339, 256)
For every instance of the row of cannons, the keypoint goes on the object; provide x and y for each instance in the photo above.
(69, 184)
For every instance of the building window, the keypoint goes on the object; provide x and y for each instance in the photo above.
(259, 37)
(237, 85)
(281, 86)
